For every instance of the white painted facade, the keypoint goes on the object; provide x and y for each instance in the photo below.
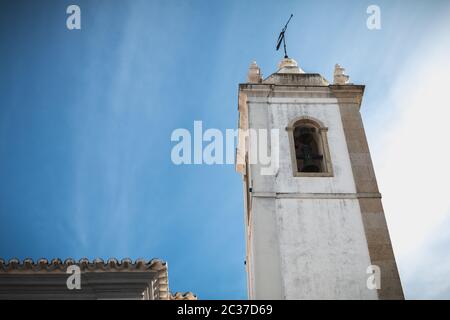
(305, 235)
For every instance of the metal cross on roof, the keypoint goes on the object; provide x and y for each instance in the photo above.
(282, 38)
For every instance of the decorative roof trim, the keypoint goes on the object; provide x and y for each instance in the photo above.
(183, 296)
(85, 265)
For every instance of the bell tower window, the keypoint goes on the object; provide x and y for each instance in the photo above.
(309, 148)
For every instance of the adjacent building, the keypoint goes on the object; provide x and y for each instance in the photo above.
(98, 279)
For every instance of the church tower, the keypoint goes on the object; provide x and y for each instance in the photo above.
(315, 226)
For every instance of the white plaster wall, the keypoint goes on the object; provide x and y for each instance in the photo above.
(306, 248)
(329, 115)
(265, 263)
(279, 115)
(323, 249)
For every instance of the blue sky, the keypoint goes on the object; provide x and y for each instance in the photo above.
(86, 118)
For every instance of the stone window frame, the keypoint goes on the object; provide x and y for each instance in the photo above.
(323, 132)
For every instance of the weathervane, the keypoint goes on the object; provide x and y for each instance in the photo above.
(282, 38)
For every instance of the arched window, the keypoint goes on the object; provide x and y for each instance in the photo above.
(309, 148)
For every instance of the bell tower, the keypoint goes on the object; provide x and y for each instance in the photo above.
(315, 226)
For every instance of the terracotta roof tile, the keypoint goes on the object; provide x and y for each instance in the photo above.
(84, 263)
(183, 296)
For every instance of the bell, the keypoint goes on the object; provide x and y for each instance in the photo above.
(304, 134)
(309, 163)
(310, 167)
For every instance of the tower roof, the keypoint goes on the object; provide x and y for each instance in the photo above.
(289, 73)
(289, 65)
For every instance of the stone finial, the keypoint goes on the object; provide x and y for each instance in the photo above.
(340, 78)
(289, 65)
(254, 73)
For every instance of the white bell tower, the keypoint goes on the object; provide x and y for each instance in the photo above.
(315, 228)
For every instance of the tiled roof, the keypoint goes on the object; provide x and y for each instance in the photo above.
(43, 266)
(84, 264)
(183, 296)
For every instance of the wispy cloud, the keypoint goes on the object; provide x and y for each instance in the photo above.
(412, 157)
